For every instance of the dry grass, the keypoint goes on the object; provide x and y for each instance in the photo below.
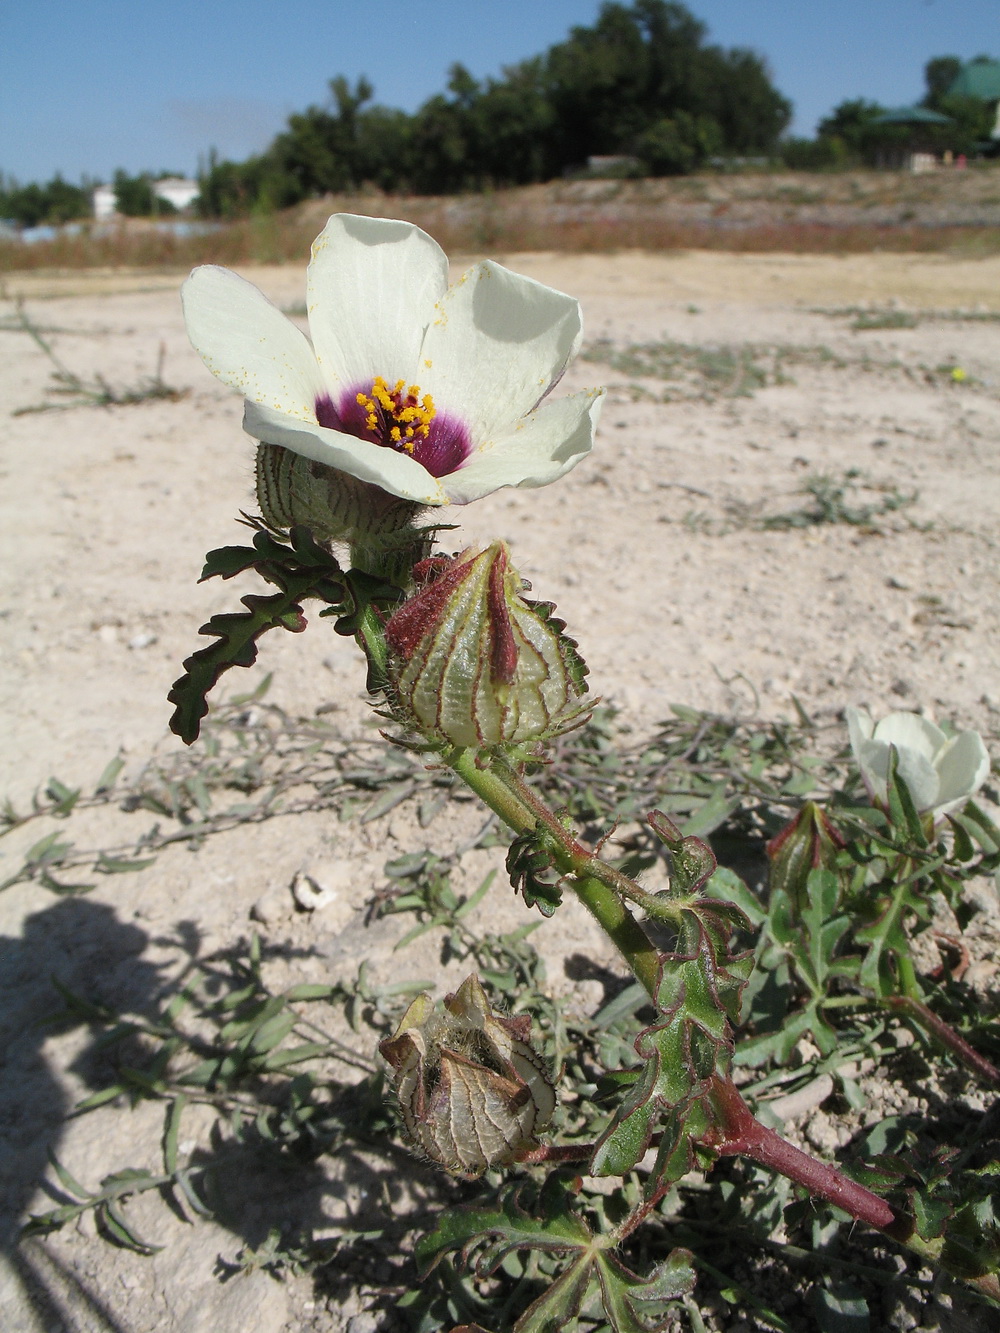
(592, 217)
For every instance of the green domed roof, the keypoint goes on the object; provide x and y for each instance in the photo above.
(911, 115)
(979, 78)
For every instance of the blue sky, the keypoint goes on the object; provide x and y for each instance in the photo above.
(90, 85)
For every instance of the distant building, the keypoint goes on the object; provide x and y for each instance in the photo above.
(980, 79)
(177, 191)
(104, 202)
(172, 189)
(612, 164)
(914, 148)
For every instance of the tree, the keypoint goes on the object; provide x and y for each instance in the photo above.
(851, 125)
(639, 65)
(674, 146)
(55, 202)
(136, 198)
(939, 74)
(641, 81)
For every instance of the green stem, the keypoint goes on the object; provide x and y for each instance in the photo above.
(371, 632)
(521, 811)
(906, 973)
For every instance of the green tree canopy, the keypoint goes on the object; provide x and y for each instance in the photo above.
(641, 80)
(939, 74)
(55, 202)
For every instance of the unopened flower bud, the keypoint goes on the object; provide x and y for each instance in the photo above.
(472, 1091)
(808, 842)
(475, 664)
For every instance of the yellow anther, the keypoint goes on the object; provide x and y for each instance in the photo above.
(400, 411)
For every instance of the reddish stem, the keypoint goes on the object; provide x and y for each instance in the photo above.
(570, 1152)
(738, 1132)
(946, 1035)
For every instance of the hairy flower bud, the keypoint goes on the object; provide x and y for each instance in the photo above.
(472, 1091)
(808, 842)
(475, 664)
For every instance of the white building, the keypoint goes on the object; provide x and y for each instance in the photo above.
(173, 189)
(177, 191)
(104, 202)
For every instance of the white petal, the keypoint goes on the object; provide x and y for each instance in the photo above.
(249, 344)
(859, 728)
(393, 472)
(920, 776)
(372, 287)
(498, 343)
(915, 769)
(910, 731)
(542, 447)
(963, 766)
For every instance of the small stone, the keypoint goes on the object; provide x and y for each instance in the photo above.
(312, 890)
(822, 1133)
(795, 1104)
(806, 1051)
(271, 907)
(365, 1322)
(141, 640)
(981, 974)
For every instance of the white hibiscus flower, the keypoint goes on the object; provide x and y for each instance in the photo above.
(941, 772)
(431, 393)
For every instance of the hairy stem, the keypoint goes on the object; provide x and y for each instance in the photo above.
(521, 811)
(738, 1132)
(946, 1035)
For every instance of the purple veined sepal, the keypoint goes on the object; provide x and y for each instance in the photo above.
(473, 663)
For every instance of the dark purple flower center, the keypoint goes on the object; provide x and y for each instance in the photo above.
(399, 417)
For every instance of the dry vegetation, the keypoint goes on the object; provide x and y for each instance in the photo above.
(750, 212)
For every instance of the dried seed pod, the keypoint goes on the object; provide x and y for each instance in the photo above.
(472, 1091)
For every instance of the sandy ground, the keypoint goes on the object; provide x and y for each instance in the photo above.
(653, 550)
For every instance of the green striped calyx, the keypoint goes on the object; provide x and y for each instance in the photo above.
(473, 663)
